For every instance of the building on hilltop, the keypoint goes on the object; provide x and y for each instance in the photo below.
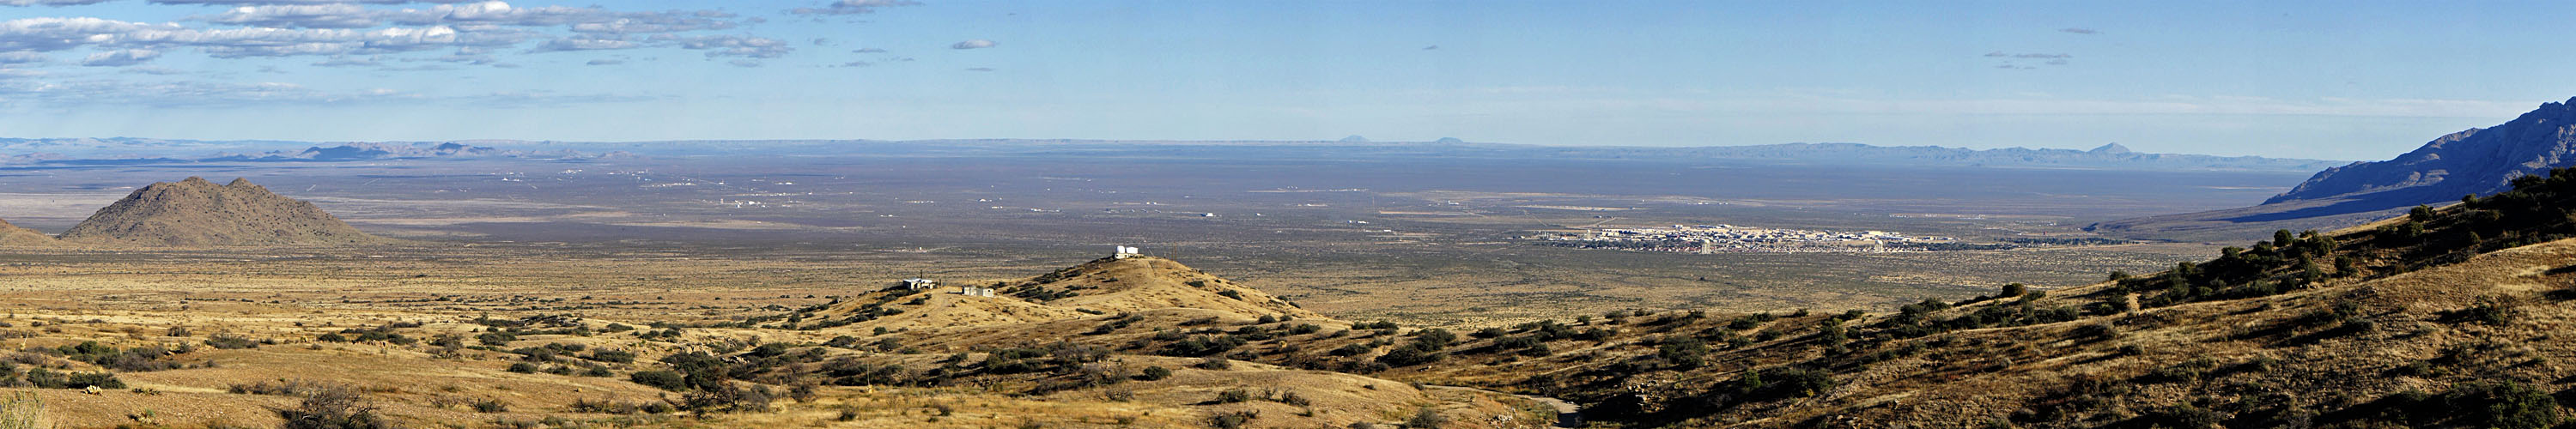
(1124, 252)
(917, 283)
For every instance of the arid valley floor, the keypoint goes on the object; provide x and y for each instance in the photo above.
(572, 259)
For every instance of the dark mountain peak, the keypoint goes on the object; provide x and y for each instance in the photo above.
(2478, 161)
(2112, 149)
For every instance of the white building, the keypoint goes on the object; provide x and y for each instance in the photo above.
(1124, 252)
(920, 283)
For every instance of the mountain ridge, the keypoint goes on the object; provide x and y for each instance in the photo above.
(2477, 161)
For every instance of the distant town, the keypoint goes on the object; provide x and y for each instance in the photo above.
(1736, 239)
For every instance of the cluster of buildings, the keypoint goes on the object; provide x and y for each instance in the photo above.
(1735, 239)
(918, 283)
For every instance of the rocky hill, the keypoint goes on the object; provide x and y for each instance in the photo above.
(1146, 329)
(195, 212)
(2479, 161)
(1049, 307)
(13, 235)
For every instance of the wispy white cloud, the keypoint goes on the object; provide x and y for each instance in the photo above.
(120, 58)
(733, 46)
(851, 7)
(973, 44)
(227, 94)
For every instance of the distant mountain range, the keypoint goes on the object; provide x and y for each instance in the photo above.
(131, 151)
(2479, 161)
(126, 151)
(2107, 156)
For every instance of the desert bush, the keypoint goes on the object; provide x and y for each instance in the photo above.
(1234, 395)
(1686, 353)
(43, 378)
(727, 398)
(1425, 418)
(610, 356)
(1782, 382)
(1232, 420)
(337, 407)
(1152, 373)
(230, 342)
(665, 380)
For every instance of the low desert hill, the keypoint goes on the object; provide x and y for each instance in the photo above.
(13, 235)
(2479, 161)
(1057, 305)
(195, 212)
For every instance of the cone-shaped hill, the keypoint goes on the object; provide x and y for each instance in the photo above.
(195, 212)
(15, 236)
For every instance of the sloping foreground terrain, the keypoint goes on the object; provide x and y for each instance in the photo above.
(1035, 354)
(2456, 317)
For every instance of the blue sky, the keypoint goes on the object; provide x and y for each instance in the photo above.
(2339, 80)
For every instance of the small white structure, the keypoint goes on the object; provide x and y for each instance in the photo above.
(920, 283)
(1125, 252)
(975, 291)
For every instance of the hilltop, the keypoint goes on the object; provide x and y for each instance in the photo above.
(2478, 161)
(13, 235)
(196, 212)
(1058, 305)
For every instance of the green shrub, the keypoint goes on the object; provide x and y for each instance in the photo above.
(93, 379)
(665, 380)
